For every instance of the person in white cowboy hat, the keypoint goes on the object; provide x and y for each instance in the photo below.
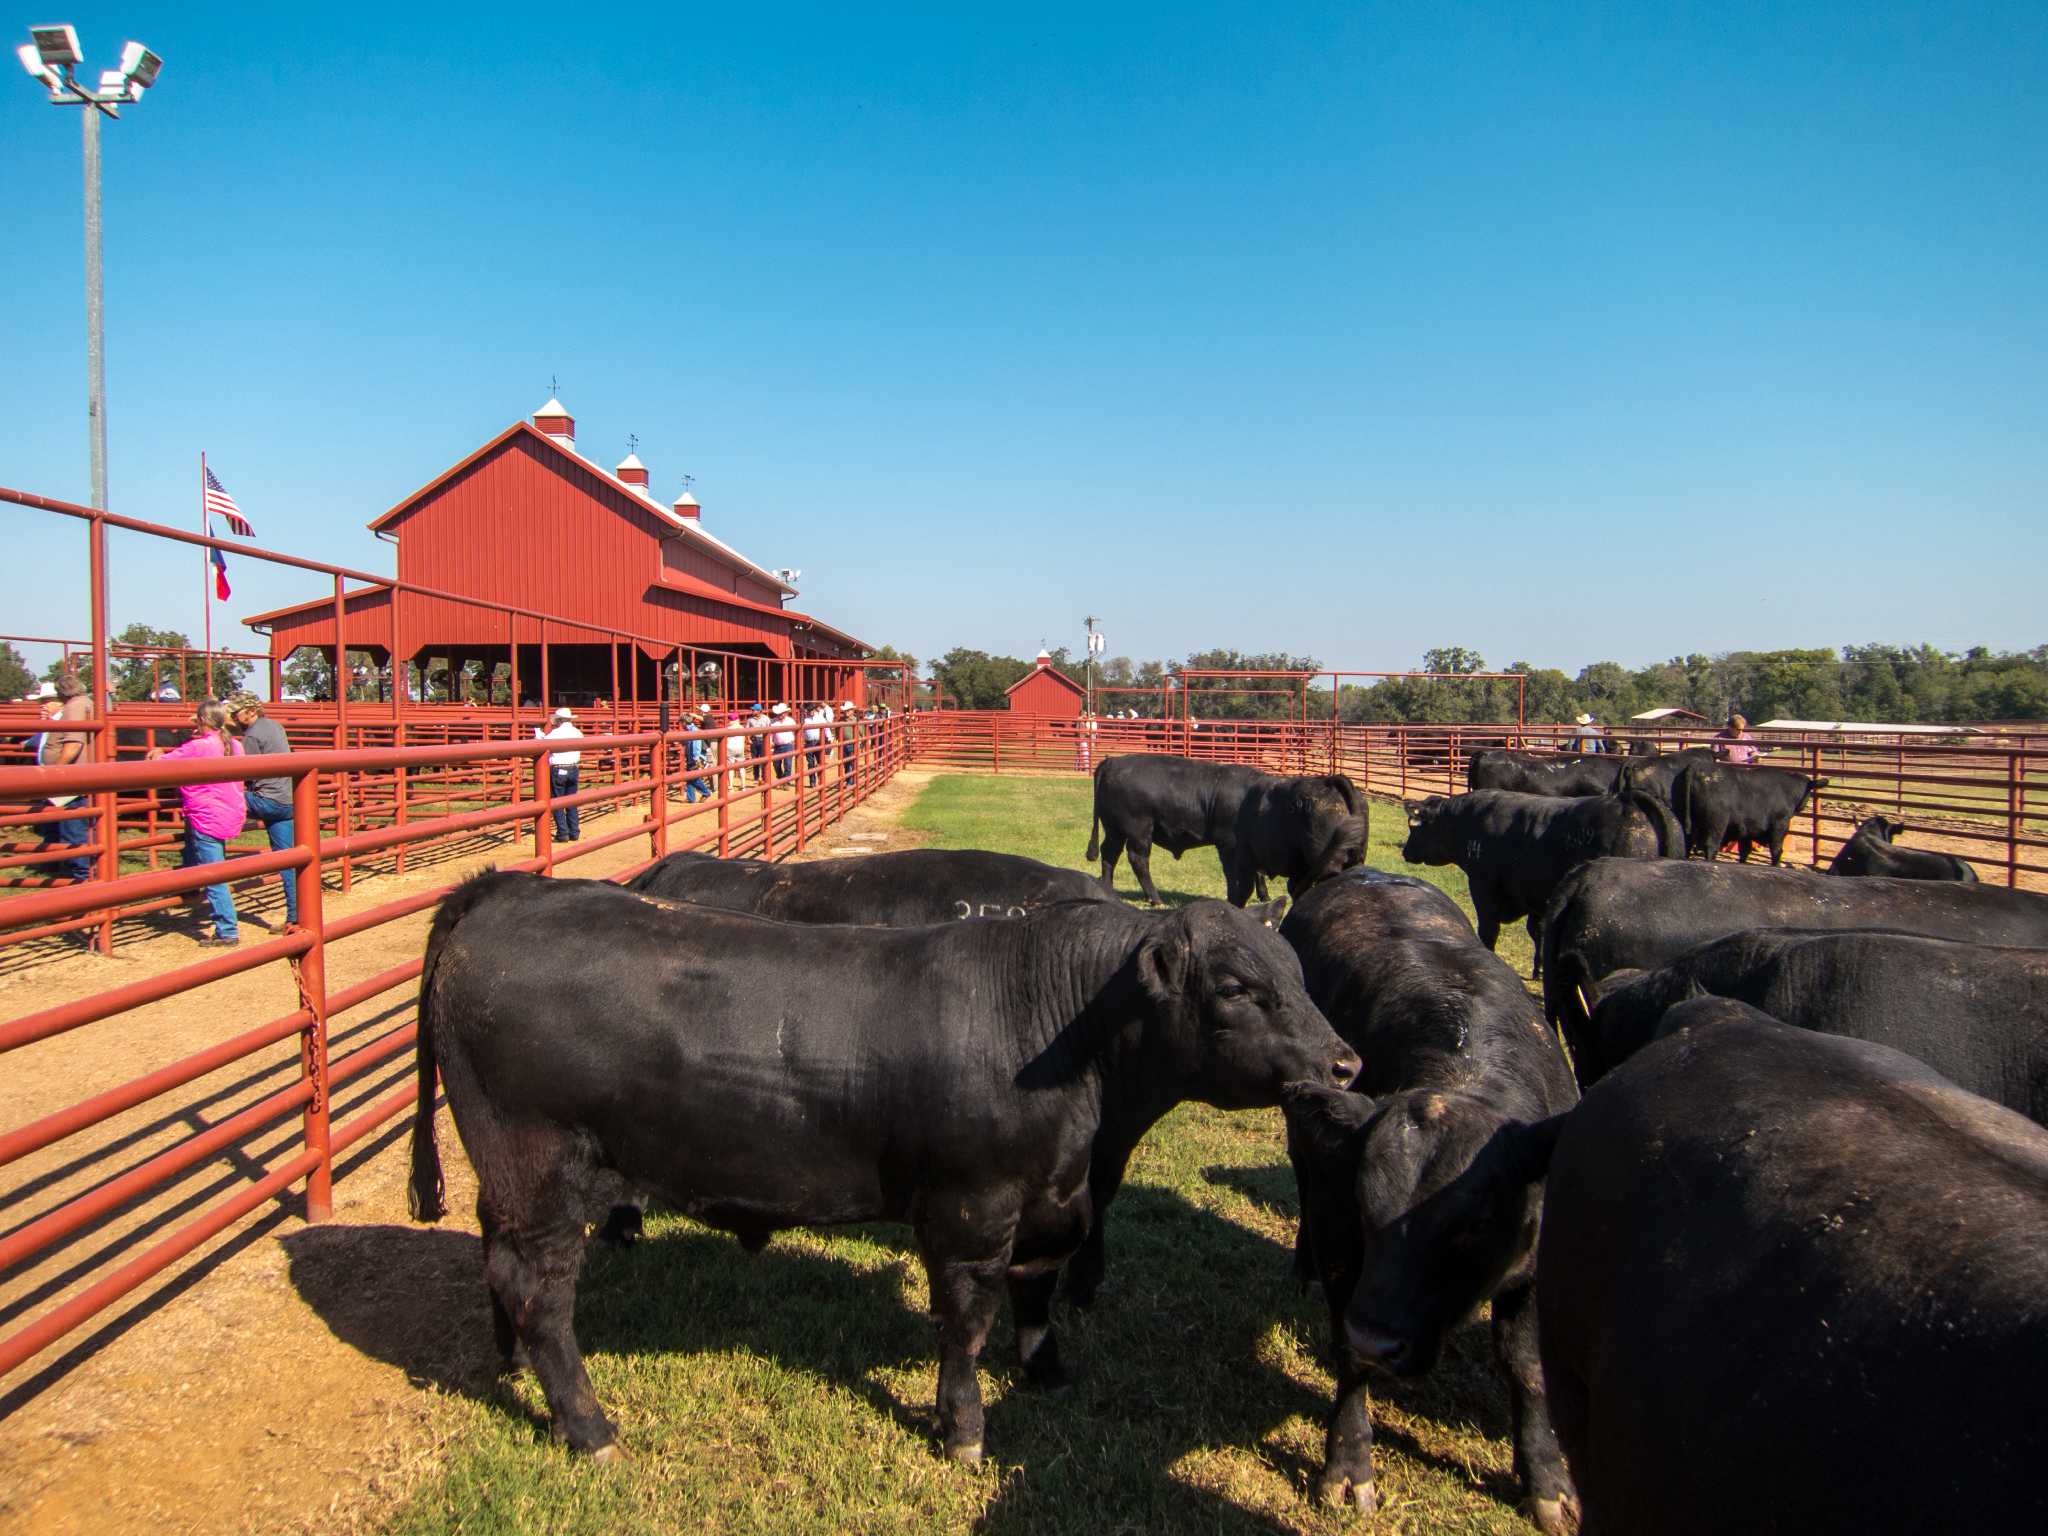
(563, 765)
(783, 740)
(1589, 737)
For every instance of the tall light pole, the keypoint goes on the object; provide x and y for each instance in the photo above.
(52, 58)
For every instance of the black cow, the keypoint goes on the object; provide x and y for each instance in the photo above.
(888, 890)
(1976, 1013)
(1658, 772)
(906, 889)
(759, 1075)
(1719, 803)
(1870, 851)
(1623, 914)
(1306, 828)
(1793, 1285)
(1514, 849)
(1455, 1050)
(1541, 773)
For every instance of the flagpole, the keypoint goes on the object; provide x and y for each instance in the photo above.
(205, 579)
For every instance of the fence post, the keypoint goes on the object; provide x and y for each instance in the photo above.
(2015, 813)
(398, 779)
(657, 835)
(1813, 808)
(310, 971)
(799, 766)
(995, 738)
(543, 821)
(725, 799)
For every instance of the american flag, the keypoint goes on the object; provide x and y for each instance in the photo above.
(219, 501)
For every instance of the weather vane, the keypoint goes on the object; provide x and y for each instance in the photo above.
(632, 442)
(688, 481)
(554, 387)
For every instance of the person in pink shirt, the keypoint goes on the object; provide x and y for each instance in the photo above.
(1734, 744)
(213, 814)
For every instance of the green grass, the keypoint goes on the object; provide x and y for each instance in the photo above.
(793, 1391)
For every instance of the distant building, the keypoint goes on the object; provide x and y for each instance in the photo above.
(1672, 715)
(527, 522)
(1046, 691)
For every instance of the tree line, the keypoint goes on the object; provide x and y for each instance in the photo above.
(1920, 684)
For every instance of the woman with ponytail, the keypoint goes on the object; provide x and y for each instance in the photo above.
(213, 814)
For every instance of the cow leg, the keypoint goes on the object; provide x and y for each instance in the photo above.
(532, 1276)
(1106, 1165)
(1487, 919)
(1259, 880)
(512, 1358)
(1038, 1346)
(1742, 855)
(1777, 839)
(966, 1295)
(1713, 835)
(1535, 927)
(1347, 1438)
(1539, 1462)
(1112, 848)
(1141, 866)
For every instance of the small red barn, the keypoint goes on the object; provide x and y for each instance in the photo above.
(1046, 691)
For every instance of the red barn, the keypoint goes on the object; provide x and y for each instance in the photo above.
(528, 523)
(1046, 691)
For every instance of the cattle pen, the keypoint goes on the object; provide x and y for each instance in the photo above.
(393, 789)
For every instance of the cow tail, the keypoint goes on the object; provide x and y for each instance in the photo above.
(1095, 821)
(1670, 836)
(425, 1193)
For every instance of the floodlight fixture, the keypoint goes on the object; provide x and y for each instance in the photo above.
(32, 61)
(139, 65)
(57, 45)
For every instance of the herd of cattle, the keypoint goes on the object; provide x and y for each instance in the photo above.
(1783, 1268)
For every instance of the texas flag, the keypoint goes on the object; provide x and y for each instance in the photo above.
(220, 577)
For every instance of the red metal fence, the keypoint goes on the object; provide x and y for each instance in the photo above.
(756, 803)
(1984, 798)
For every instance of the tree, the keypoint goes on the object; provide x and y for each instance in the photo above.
(153, 664)
(309, 675)
(1452, 658)
(975, 679)
(1223, 698)
(16, 679)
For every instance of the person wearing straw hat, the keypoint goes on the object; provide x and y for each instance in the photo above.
(849, 715)
(269, 801)
(563, 767)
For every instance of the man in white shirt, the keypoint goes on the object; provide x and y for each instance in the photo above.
(783, 740)
(562, 773)
(817, 740)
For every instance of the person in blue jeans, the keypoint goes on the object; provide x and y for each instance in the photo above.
(269, 801)
(563, 773)
(696, 754)
(214, 814)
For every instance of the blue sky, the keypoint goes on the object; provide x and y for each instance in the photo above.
(1564, 333)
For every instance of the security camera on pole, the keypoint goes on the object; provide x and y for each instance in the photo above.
(1094, 649)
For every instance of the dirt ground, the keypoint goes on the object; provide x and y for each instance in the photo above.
(278, 1379)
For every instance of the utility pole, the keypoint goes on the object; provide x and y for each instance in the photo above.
(1094, 645)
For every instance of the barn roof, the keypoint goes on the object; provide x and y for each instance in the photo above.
(1667, 712)
(685, 528)
(1876, 726)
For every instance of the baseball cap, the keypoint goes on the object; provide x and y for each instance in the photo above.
(243, 699)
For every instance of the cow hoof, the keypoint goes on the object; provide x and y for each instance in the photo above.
(968, 1455)
(605, 1454)
(1340, 1490)
(1555, 1517)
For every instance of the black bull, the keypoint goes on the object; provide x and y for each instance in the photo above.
(1304, 828)
(759, 1075)
(889, 890)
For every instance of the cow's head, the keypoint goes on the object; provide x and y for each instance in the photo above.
(1449, 1202)
(1229, 1009)
(1429, 842)
(1333, 831)
(1880, 829)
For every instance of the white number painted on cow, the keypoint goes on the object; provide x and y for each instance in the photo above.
(970, 909)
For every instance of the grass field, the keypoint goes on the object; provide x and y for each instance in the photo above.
(792, 1392)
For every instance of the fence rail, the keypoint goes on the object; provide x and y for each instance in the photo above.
(357, 803)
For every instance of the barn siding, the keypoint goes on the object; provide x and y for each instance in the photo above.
(1046, 693)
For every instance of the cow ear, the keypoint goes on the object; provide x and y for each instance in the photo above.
(1163, 961)
(1526, 1149)
(1271, 912)
(1413, 808)
(1326, 1121)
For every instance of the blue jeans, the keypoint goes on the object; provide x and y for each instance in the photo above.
(72, 832)
(568, 820)
(201, 849)
(276, 816)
